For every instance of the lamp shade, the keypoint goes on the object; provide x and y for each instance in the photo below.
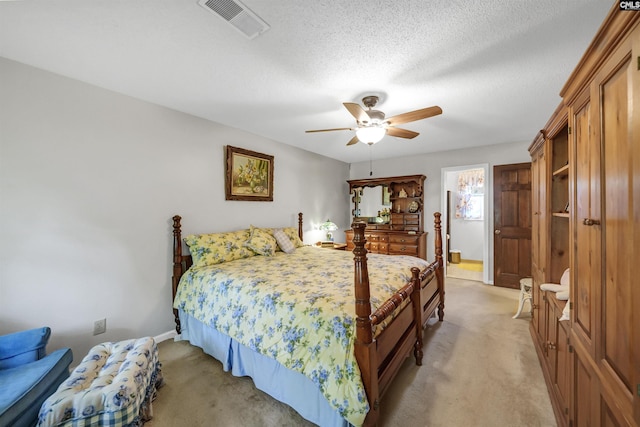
(370, 134)
(328, 226)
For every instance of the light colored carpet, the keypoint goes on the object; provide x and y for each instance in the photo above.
(479, 369)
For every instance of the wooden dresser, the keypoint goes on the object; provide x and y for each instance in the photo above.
(401, 232)
(586, 217)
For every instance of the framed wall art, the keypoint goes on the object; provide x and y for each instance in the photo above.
(249, 175)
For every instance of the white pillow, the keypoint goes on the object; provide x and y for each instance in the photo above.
(565, 312)
(284, 241)
(563, 295)
(553, 287)
(564, 280)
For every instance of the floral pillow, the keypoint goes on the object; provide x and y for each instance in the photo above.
(210, 249)
(292, 233)
(284, 242)
(261, 242)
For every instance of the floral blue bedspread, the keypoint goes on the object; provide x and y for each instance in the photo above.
(299, 309)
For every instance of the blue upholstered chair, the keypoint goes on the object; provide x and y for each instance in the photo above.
(28, 375)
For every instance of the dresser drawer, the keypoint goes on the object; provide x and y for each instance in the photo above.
(403, 249)
(376, 237)
(397, 219)
(404, 239)
(412, 218)
(378, 248)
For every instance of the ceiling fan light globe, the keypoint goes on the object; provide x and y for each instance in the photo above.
(370, 135)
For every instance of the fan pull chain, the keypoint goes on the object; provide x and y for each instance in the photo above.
(370, 159)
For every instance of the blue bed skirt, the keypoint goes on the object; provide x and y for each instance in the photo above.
(268, 375)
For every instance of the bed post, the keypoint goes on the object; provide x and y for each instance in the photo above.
(177, 267)
(417, 314)
(440, 269)
(364, 344)
(300, 226)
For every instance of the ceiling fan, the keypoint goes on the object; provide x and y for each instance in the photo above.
(371, 125)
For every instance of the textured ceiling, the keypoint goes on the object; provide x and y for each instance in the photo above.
(494, 67)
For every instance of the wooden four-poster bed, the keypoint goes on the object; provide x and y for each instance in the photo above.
(381, 330)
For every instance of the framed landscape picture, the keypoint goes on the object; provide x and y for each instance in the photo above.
(249, 175)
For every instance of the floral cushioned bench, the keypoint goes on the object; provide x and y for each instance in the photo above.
(113, 386)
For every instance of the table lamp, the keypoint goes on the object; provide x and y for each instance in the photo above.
(328, 226)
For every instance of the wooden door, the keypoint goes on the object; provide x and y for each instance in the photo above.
(512, 224)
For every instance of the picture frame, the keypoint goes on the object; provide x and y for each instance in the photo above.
(248, 175)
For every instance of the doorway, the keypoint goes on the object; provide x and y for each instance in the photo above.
(465, 201)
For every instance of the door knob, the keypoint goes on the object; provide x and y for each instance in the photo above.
(497, 231)
(589, 221)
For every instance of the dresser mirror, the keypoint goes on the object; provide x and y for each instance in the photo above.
(371, 203)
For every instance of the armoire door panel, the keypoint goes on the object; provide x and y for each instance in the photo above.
(587, 256)
(562, 371)
(584, 392)
(617, 197)
(608, 417)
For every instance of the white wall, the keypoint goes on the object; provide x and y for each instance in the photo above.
(431, 164)
(89, 181)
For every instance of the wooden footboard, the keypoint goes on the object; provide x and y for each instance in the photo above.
(379, 360)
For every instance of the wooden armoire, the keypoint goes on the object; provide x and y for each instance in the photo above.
(586, 217)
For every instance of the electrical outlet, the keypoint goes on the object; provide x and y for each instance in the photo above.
(99, 326)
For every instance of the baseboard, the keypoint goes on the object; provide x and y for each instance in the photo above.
(169, 335)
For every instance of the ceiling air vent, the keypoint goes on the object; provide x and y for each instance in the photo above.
(238, 15)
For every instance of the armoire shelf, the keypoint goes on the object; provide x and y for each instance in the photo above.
(563, 171)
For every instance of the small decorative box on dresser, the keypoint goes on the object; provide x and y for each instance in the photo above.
(586, 217)
(393, 210)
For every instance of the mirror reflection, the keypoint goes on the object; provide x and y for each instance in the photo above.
(371, 203)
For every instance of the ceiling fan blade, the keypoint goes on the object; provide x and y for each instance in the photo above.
(401, 133)
(357, 111)
(353, 141)
(412, 116)
(327, 130)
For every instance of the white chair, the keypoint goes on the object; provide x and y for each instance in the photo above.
(526, 286)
